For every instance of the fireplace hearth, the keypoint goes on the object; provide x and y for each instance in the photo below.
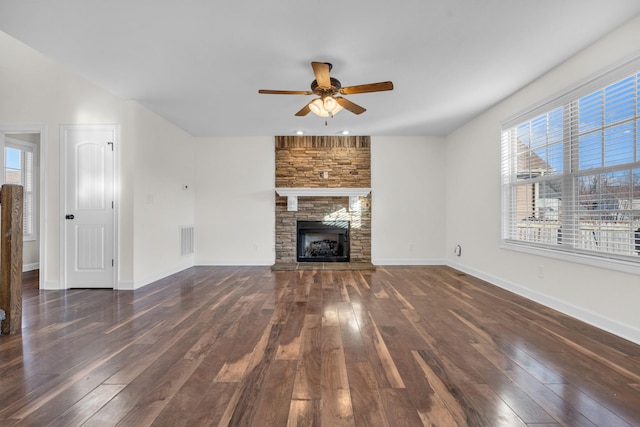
(323, 241)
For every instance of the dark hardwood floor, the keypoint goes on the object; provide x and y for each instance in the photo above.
(245, 346)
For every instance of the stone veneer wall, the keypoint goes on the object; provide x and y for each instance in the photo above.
(299, 161)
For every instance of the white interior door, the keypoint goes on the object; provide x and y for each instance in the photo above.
(88, 217)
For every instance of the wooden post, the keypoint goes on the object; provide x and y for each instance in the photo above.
(11, 258)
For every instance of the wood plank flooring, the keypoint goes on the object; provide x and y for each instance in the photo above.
(245, 346)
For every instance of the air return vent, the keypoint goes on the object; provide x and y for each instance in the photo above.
(186, 240)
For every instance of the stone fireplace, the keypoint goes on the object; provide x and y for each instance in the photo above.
(326, 181)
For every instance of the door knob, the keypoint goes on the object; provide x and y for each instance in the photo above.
(69, 216)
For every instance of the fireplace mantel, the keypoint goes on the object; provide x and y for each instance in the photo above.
(323, 192)
(292, 195)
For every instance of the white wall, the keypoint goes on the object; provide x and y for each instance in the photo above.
(163, 178)
(605, 298)
(38, 93)
(408, 200)
(235, 201)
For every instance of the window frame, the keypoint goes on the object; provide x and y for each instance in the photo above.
(567, 100)
(26, 146)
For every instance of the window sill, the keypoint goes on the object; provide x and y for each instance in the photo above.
(621, 265)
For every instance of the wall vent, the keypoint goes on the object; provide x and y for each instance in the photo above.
(186, 240)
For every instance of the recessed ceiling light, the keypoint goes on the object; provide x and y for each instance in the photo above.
(345, 132)
(299, 132)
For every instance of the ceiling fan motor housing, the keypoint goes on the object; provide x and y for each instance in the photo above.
(335, 85)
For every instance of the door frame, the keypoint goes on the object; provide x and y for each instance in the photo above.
(42, 197)
(63, 197)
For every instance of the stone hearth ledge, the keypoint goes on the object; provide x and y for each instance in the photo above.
(323, 266)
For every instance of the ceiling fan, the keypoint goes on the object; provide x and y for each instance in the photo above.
(326, 88)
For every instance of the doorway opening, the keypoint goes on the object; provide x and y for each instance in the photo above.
(21, 159)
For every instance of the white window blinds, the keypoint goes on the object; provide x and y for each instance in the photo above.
(19, 170)
(571, 174)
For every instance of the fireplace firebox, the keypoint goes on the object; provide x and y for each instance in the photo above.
(323, 241)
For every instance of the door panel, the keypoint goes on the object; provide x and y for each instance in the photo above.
(91, 247)
(89, 202)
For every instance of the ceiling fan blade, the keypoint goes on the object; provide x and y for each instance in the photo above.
(348, 105)
(321, 70)
(304, 111)
(371, 87)
(286, 92)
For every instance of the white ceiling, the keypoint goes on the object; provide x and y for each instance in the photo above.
(200, 63)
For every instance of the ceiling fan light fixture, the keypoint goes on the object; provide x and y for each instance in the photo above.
(326, 106)
(329, 103)
(317, 107)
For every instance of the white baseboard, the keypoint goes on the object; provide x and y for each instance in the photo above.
(382, 261)
(613, 326)
(137, 284)
(125, 285)
(30, 267)
(236, 262)
(51, 285)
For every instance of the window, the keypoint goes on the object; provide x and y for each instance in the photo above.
(571, 171)
(19, 169)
